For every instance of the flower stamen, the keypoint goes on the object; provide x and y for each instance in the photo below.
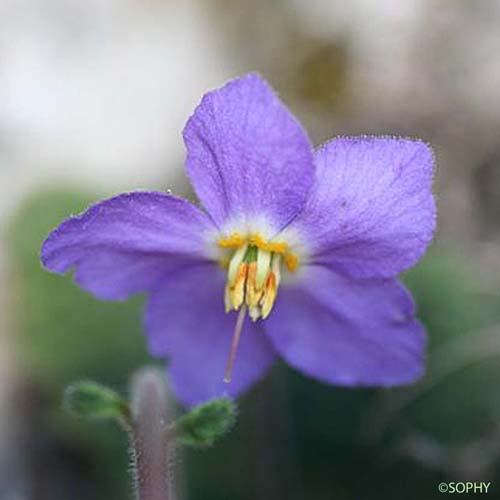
(235, 263)
(253, 279)
(263, 262)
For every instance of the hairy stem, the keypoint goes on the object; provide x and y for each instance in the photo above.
(149, 405)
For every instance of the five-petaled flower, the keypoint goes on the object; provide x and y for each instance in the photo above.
(306, 243)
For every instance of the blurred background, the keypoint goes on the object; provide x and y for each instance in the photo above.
(93, 98)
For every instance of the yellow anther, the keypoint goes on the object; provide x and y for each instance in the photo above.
(253, 293)
(291, 261)
(269, 297)
(237, 291)
(270, 246)
(235, 240)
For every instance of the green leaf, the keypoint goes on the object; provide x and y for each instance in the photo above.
(94, 401)
(205, 423)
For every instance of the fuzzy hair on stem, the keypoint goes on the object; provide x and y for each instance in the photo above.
(149, 439)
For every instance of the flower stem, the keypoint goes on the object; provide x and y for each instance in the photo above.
(150, 447)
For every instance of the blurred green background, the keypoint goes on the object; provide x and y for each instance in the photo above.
(94, 102)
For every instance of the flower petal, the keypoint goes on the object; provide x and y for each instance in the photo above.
(122, 245)
(115, 275)
(185, 321)
(247, 155)
(355, 333)
(371, 212)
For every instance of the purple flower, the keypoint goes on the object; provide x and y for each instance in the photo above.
(308, 243)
